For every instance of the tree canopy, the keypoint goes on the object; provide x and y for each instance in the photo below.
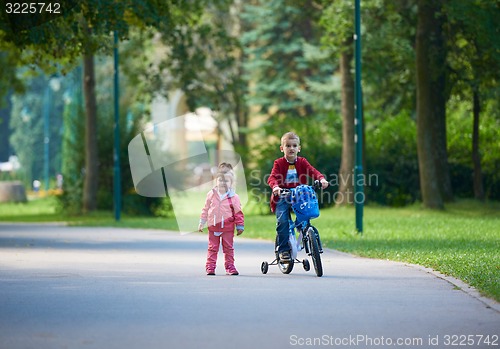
(430, 69)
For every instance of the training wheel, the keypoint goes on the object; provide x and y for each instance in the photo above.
(264, 267)
(306, 265)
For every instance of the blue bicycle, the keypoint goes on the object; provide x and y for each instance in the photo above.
(305, 206)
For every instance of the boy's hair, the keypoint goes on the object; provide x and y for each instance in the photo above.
(289, 135)
(225, 166)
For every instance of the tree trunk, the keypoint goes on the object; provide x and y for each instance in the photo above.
(430, 90)
(345, 193)
(5, 132)
(476, 157)
(91, 157)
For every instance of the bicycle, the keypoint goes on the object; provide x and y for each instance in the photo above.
(305, 206)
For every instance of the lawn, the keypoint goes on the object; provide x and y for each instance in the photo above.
(462, 241)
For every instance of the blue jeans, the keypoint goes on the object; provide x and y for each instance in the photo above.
(283, 209)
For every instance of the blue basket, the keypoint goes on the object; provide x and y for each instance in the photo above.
(305, 203)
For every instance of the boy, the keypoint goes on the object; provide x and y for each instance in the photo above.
(289, 172)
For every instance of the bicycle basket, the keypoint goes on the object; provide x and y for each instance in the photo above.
(305, 203)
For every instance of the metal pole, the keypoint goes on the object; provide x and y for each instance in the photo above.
(359, 196)
(46, 135)
(116, 150)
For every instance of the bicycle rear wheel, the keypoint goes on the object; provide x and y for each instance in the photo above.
(312, 240)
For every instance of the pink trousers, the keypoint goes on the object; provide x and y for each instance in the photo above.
(214, 241)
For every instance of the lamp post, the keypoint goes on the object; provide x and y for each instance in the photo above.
(53, 85)
(359, 196)
(46, 137)
(116, 148)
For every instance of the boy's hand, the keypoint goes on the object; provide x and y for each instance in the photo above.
(239, 232)
(324, 183)
(276, 191)
(200, 228)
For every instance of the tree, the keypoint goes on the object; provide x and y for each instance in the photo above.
(73, 141)
(84, 30)
(292, 86)
(346, 185)
(206, 63)
(9, 84)
(28, 125)
(431, 105)
(337, 20)
(475, 61)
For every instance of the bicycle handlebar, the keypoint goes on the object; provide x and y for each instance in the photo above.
(287, 191)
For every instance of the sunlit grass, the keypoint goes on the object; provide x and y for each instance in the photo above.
(463, 241)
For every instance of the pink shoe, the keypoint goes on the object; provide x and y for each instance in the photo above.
(210, 272)
(232, 271)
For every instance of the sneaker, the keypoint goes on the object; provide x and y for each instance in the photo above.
(210, 272)
(285, 257)
(232, 271)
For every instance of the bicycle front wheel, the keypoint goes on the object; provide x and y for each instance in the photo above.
(314, 251)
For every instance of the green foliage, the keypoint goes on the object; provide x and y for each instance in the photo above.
(205, 61)
(163, 208)
(292, 86)
(9, 82)
(460, 151)
(387, 40)
(27, 123)
(73, 161)
(388, 61)
(282, 62)
(392, 159)
(85, 26)
(286, 51)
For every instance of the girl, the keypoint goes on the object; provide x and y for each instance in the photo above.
(222, 212)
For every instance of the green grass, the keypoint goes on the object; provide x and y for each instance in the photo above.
(44, 210)
(462, 241)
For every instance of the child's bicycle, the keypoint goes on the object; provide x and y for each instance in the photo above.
(305, 206)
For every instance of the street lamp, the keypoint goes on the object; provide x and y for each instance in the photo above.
(54, 85)
(359, 196)
(116, 148)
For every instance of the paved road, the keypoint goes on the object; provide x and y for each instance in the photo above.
(64, 287)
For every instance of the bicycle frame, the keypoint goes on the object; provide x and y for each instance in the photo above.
(311, 243)
(302, 228)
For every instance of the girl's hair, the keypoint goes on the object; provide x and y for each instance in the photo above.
(224, 175)
(289, 135)
(225, 168)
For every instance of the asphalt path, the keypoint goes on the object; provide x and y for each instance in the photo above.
(73, 287)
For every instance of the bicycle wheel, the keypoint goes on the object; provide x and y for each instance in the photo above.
(314, 250)
(285, 268)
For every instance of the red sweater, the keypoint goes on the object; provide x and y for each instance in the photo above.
(279, 172)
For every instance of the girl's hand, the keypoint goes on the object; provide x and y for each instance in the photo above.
(239, 232)
(200, 228)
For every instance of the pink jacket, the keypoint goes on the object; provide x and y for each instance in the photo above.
(218, 214)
